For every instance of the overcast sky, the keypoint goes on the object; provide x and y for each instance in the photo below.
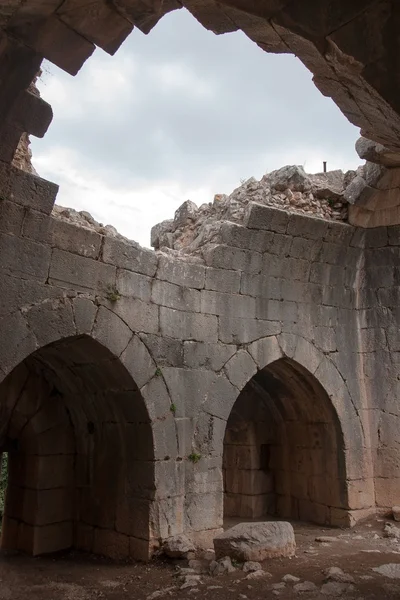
(181, 114)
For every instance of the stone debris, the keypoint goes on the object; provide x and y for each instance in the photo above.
(258, 574)
(290, 578)
(178, 547)
(256, 541)
(327, 539)
(159, 593)
(305, 586)
(289, 188)
(396, 513)
(338, 575)
(391, 531)
(278, 586)
(199, 565)
(251, 566)
(335, 588)
(222, 566)
(390, 570)
(189, 581)
(84, 219)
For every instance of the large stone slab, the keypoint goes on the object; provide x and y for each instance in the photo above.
(256, 541)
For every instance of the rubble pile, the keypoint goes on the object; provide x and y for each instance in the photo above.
(289, 188)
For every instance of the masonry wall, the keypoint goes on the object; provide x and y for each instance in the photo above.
(192, 336)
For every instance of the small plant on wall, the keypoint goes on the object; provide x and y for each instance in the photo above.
(194, 457)
(112, 294)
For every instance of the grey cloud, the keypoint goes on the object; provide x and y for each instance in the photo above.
(257, 105)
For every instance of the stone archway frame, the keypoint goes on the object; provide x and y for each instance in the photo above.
(33, 327)
(245, 363)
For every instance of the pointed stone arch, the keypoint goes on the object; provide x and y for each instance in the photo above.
(87, 423)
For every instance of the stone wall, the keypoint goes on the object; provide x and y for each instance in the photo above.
(148, 353)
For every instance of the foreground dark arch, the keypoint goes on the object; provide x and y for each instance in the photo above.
(283, 449)
(81, 470)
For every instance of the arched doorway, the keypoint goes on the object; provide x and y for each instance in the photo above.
(283, 449)
(80, 447)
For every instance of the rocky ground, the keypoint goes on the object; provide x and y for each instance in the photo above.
(361, 564)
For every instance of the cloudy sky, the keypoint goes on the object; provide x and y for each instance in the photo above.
(181, 114)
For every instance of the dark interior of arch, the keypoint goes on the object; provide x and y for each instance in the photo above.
(80, 452)
(283, 449)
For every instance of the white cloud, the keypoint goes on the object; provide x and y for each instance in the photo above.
(181, 114)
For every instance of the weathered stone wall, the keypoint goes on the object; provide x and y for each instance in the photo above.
(176, 340)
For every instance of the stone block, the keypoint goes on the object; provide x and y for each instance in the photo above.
(188, 326)
(79, 272)
(133, 514)
(265, 351)
(11, 217)
(16, 341)
(27, 190)
(181, 272)
(111, 544)
(157, 396)
(52, 538)
(203, 511)
(240, 369)
(200, 355)
(141, 550)
(61, 234)
(242, 237)
(165, 351)
(325, 338)
(45, 507)
(307, 227)
(138, 361)
(129, 256)
(259, 216)
(280, 245)
(222, 280)
(305, 249)
(84, 313)
(189, 389)
(235, 330)
(232, 305)
(111, 331)
(139, 316)
(256, 541)
(51, 321)
(175, 296)
(277, 310)
(227, 257)
(24, 257)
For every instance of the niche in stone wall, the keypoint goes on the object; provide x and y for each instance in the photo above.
(283, 449)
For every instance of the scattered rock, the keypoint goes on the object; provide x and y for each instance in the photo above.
(278, 586)
(258, 574)
(326, 539)
(221, 566)
(189, 581)
(251, 566)
(290, 578)
(391, 570)
(335, 588)
(178, 546)
(305, 586)
(256, 541)
(391, 531)
(396, 513)
(199, 565)
(336, 574)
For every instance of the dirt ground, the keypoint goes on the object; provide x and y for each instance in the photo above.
(75, 576)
